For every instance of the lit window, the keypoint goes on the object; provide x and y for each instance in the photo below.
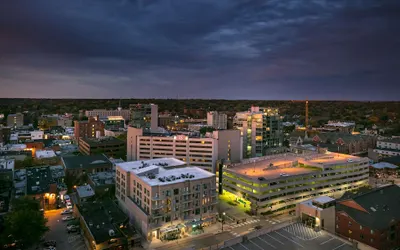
(372, 231)
(350, 232)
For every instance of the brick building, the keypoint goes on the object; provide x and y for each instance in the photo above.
(372, 217)
(76, 165)
(91, 128)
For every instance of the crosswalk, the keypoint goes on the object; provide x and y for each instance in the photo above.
(273, 221)
(302, 232)
(246, 223)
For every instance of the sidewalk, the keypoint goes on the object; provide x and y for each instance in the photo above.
(210, 230)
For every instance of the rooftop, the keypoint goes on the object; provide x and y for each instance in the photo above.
(102, 178)
(340, 124)
(142, 166)
(390, 140)
(373, 209)
(382, 165)
(321, 200)
(101, 217)
(84, 161)
(103, 141)
(85, 191)
(284, 165)
(40, 154)
(39, 180)
(157, 172)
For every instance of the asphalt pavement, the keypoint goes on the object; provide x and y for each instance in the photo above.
(58, 232)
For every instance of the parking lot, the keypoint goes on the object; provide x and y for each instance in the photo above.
(295, 236)
(58, 232)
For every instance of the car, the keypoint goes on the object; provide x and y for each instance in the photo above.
(50, 243)
(69, 227)
(73, 230)
(67, 218)
(66, 211)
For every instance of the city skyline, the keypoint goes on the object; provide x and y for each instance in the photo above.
(320, 50)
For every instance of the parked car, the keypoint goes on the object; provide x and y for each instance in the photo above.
(67, 218)
(73, 230)
(50, 243)
(66, 211)
(69, 227)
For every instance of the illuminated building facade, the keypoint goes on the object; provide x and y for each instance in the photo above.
(261, 129)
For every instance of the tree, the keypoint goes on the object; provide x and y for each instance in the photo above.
(204, 130)
(25, 224)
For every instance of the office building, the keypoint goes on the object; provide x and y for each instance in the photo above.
(110, 146)
(113, 123)
(388, 147)
(371, 217)
(217, 120)
(92, 128)
(203, 152)
(261, 130)
(15, 120)
(144, 116)
(104, 113)
(165, 198)
(275, 184)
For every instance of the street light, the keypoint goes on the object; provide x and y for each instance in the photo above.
(223, 220)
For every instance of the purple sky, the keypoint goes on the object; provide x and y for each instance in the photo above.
(247, 49)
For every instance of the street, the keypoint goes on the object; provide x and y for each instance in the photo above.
(58, 232)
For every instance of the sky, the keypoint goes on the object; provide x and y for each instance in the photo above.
(212, 49)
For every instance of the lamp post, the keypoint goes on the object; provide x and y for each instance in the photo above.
(223, 220)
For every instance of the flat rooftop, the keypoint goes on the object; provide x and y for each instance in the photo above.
(164, 176)
(85, 191)
(103, 141)
(283, 165)
(142, 166)
(39, 180)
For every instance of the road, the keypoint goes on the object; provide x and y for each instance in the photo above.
(58, 232)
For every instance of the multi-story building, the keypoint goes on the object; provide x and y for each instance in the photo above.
(65, 121)
(15, 120)
(110, 146)
(167, 120)
(388, 147)
(41, 186)
(203, 152)
(46, 122)
(113, 123)
(261, 129)
(217, 120)
(371, 217)
(104, 113)
(164, 197)
(92, 128)
(144, 116)
(275, 184)
(339, 126)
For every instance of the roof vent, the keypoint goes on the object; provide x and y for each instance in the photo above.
(111, 233)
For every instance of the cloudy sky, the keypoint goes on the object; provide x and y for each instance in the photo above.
(231, 49)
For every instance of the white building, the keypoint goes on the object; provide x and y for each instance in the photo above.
(163, 197)
(84, 192)
(388, 147)
(199, 151)
(217, 120)
(37, 135)
(275, 184)
(41, 154)
(104, 113)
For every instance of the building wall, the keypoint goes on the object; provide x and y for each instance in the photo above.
(144, 116)
(5, 133)
(88, 129)
(326, 215)
(15, 120)
(230, 145)
(150, 206)
(95, 169)
(217, 120)
(104, 113)
(110, 150)
(295, 189)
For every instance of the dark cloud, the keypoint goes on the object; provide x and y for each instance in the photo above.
(253, 49)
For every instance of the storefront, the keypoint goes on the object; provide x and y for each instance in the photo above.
(171, 232)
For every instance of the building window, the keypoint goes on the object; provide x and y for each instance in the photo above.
(372, 231)
(349, 223)
(372, 240)
(350, 232)
(337, 226)
(361, 236)
(176, 191)
(361, 227)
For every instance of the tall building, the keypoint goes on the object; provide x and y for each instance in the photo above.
(110, 146)
(104, 113)
(15, 120)
(261, 130)
(92, 128)
(217, 120)
(165, 198)
(144, 116)
(203, 152)
(276, 183)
